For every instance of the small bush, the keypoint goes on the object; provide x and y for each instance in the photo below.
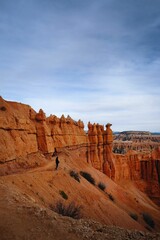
(101, 186)
(148, 219)
(111, 197)
(71, 210)
(134, 216)
(63, 194)
(88, 177)
(3, 108)
(75, 175)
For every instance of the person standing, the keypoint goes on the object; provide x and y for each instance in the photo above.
(57, 162)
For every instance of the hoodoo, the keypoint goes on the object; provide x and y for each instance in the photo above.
(23, 131)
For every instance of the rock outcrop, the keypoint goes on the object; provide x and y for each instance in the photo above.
(18, 135)
(24, 132)
(143, 169)
(108, 165)
(100, 148)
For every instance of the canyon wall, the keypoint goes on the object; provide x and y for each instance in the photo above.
(17, 131)
(23, 132)
(139, 141)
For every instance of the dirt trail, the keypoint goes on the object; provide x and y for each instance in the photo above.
(48, 166)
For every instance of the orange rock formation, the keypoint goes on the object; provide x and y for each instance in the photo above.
(23, 131)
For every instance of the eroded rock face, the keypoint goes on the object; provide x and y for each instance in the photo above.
(23, 131)
(100, 148)
(141, 168)
(108, 165)
(93, 146)
(139, 141)
(17, 131)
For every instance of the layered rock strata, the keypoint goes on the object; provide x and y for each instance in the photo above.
(24, 132)
(135, 140)
(100, 148)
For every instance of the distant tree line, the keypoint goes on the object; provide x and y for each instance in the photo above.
(119, 150)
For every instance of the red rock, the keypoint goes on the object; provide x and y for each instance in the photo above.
(23, 131)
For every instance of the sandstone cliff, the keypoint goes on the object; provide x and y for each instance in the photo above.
(24, 132)
(29, 183)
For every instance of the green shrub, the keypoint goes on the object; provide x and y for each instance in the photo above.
(148, 219)
(88, 177)
(111, 197)
(71, 210)
(63, 194)
(102, 186)
(134, 216)
(75, 175)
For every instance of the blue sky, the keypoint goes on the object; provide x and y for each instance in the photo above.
(97, 61)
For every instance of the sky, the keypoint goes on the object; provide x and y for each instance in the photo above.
(95, 60)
